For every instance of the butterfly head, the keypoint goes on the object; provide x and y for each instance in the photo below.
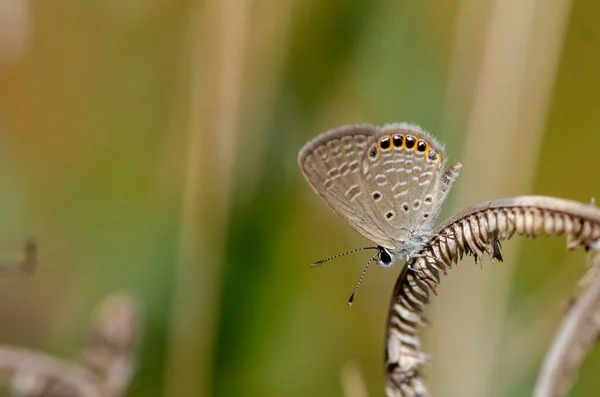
(408, 246)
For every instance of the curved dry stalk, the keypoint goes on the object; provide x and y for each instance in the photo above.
(474, 231)
(111, 346)
(577, 335)
(37, 374)
(107, 359)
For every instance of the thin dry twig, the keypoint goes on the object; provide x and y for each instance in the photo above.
(107, 359)
(25, 266)
(475, 231)
(575, 338)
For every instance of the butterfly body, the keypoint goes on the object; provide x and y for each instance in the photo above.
(388, 183)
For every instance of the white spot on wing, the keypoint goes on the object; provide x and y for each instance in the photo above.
(381, 179)
(353, 192)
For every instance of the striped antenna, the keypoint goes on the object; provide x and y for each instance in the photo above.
(362, 275)
(318, 263)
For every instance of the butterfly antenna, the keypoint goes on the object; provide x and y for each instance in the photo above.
(360, 280)
(340, 255)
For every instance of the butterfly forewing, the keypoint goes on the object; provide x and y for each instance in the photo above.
(331, 163)
(381, 185)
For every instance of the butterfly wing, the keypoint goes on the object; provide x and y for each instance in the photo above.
(402, 173)
(331, 163)
(384, 187)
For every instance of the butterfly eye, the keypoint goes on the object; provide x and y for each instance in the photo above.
(386, 259)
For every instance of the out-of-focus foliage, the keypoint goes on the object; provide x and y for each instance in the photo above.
(151, 147)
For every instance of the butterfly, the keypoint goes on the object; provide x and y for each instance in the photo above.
(388, 183)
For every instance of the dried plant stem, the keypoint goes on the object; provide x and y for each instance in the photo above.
(37, 374)
(218, 34)
(25, 266)
(107, 359)
(475, 231)
(574, 340)
(504, 60)
(111, 346)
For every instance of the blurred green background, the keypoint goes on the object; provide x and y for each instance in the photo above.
(150, 146)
